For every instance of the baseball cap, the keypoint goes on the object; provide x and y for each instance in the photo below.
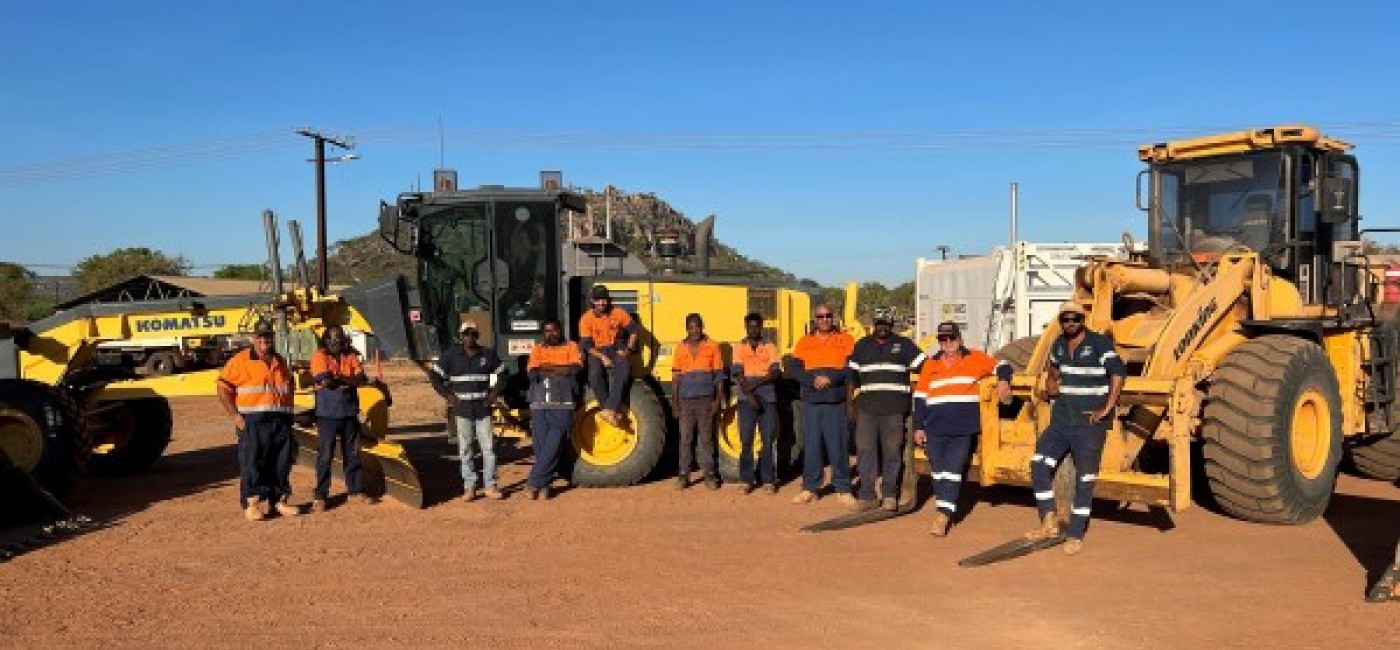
(600, 292)
(949, 328)
(263, 328)
(883, 316)
(466, 327)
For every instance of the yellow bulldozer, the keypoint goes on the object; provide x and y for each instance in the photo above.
(1257, 362)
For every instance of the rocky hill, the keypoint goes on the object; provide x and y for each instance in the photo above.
(635, 218)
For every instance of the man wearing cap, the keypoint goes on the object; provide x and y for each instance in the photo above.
(606, 336)
(947, 415)
(337, 373)
(470, 377)
(255, 387)
(819, 364)
(697, 385)
(881, 364)
(756, 374)
(1085, 378)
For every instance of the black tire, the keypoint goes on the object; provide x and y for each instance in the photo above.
(645, 417)
(789, 442)
(41, 431)
(138, 431)
(1252, 468)
(1019, 352)
(160, 364)
(1378, 459)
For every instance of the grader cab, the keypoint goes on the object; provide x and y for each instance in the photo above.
(1255, 356)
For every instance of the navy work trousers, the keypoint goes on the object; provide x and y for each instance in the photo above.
(549, 428)
(824, 433)
(764, 421)
(947, 457)
(1085, 442)
(609, 384)
(346, 431)
(266, 451)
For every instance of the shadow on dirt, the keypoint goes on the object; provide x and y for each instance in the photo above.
(1369, 527)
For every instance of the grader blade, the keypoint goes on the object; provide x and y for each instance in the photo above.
(1387, 588)
(385, 468)
(1010, 550)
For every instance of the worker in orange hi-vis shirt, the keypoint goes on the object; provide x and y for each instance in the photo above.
(819, 364)
(255, 387)
(606, 336)
(554, 364)
(697, 385)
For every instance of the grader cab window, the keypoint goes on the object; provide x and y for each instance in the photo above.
(1211, 207)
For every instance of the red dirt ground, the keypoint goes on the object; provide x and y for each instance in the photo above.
(649, 566)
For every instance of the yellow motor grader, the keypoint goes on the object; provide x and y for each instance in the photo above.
(1256, 360)
(62, 413)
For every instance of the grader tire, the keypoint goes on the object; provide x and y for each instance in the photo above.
(1379, 459)
(160, 364)
(41, 433)
(137, 430)
(607, 456)
(1272, 431)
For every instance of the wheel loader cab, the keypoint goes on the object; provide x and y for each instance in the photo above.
(1257, 194)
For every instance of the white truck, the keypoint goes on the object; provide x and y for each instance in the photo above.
(998, 298)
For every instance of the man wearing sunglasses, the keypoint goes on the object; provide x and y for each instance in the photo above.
(819, 366)
(948, 416)
(1086, 376)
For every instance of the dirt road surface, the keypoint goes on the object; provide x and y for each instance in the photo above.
(649, 566)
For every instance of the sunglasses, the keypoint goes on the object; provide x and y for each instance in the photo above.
(947, 337)
(1071, 319)
(823, 316)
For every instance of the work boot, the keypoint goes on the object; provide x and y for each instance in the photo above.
(534, 493)
(771, 488)
(1049, 527)
(493, 494)
(889, 504)
(1074, 546)
(805, 496)
(287, 510)
(748, 488)
(469, 495)
(256, 510)
(362, 499)
(318, 505)
(712, 481)
(683, 481)
(941, 521)
(846, 499)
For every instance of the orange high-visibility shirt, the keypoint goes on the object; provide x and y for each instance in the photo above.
(259, 385)
(554, 355)
(824, 352)
(596, 331)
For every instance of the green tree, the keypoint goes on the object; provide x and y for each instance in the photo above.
(97, 271)
(241, 272)
(16, 291)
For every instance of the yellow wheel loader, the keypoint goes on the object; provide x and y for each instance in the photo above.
(495, 256)
(1256, 360)
(62, 413)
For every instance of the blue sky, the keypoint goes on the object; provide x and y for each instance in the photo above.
(838, 140)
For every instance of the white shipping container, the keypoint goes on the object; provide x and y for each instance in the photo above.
(1003, 296)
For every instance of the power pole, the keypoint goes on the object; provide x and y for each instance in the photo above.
(942, 252)
(322, 269)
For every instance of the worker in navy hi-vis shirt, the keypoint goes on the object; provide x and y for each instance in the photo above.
(947, 415)
(1086, 377)
(880, 367)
